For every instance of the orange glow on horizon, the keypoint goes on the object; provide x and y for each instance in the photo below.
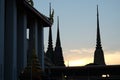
(77, 58)
(77, 63)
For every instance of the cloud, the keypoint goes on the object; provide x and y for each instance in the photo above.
(78, 53)
(81, 57)
(77, 57)
(79, 62)
(112, 57)
(75, 51)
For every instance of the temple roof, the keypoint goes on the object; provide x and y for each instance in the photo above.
(35, 13)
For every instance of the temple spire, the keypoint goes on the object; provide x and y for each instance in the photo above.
(58, 43)
(98, 45)
(50, 44)
(98, 54)
(59, 61)
(49, 52)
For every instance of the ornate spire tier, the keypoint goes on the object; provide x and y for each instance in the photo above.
(49, 52)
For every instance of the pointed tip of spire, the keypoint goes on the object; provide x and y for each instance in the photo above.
(98, 45)
(97, 10)
(58, 22)
(58, 25)
(58, 43)
(97, 5)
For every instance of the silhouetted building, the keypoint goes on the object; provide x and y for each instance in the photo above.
(50, 53)
(58, 53)
(54, 57)
(15, 61)
(98, 54)
(16, 16)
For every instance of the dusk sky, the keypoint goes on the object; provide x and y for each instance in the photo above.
(78, 23)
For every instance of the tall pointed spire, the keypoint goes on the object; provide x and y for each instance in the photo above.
(98, 31)
(49, 52)
(59, 61)
(49, 56)
(58, 43)
(98, 54)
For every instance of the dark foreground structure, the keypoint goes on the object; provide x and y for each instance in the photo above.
(98, 72)
(25, 59)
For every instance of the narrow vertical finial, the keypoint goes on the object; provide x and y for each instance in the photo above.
(51, 13)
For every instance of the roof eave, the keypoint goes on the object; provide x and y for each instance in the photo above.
(39, 16)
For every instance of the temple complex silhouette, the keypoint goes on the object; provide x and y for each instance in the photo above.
(25, 59)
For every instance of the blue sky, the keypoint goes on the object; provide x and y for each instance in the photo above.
(78, 28)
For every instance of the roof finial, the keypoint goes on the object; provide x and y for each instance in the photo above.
(51, 14)
(30, 2)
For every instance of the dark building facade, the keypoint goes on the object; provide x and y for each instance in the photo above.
(17, 61)
(16, 16)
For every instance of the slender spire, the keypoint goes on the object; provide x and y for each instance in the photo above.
(98, 45)
(49, 52)
(98, 54)
(58, 43)
(59, 61)
(50, 31)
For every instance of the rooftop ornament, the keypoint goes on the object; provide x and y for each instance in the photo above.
(30, 2)
(51, 14)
